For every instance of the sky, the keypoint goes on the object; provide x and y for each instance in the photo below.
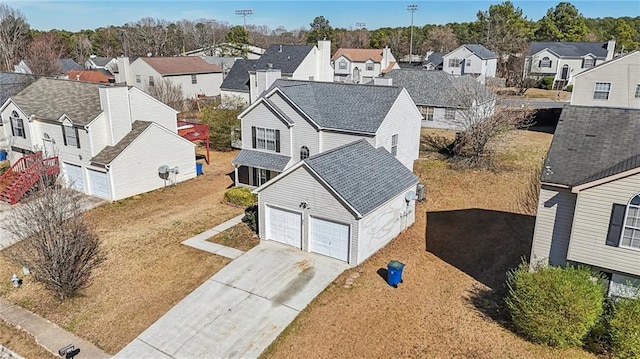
(90, 14)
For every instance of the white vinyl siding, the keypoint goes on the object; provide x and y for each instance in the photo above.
(601, 91)
(147, 108)
(262, 116)
(115, 104)
(332, 139)
(303, 133)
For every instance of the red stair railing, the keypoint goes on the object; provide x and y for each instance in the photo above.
(24, 173)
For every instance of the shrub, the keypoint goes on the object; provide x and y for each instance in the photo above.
(221, 122)
(569, 88)
(240, 196)
(624, 328)
(251, 217)
(554, 306)
(545, 83)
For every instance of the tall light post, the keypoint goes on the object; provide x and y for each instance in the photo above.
(244, 13)
(361, 25)
(411, 9)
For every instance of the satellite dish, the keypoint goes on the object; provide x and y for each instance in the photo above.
(163, 172)
(410, 196)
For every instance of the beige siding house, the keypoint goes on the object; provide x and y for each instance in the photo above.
(614, 83)
(589, 207)
(361, 66)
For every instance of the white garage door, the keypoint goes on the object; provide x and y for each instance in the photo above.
(99, 184)
(284, 226)
(74, 176)
(330, 239)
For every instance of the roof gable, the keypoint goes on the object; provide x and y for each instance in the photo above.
(570, 49)
(481, 51)
(359, 55)
(286, 58)
(238, 77)
(185, 65)
(109, 153)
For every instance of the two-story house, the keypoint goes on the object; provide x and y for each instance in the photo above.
(333, 162)
(111, 141)
(361, 66)
(297, 62)
(589, 206)
(615, 83)
(471, 59)
(194, 75)
(444, 100)
(564, 60)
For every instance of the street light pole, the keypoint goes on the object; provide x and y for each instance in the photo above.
(361, 25)
(411, 9)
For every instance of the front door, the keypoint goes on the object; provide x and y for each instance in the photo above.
(565, 72)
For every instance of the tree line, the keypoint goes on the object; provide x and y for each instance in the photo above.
(503, 28)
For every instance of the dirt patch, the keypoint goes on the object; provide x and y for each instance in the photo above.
(465, 238)
(22, 343)
(147, 270)
(239, 237)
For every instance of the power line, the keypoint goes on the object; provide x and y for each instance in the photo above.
(411, 9)
(361, 25)
(244, 13)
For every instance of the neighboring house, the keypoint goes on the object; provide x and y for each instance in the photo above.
(614, 83)
(444, 100)
(97, 76)
(564, 60)
(360, 66)
(433, 61)
(225, 63)
(110, 140)
(12, 83)
(105, 63)
(590, 195)
(294, 120)
(193, 74)
(471, 59)
(64, 65)
(227, 50)
(345, 203)
(297, 62)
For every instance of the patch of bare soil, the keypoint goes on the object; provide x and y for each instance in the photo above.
(239, 237)
(465, 238)
(147, 270)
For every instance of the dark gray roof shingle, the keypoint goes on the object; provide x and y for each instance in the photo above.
(51, 98)
(364, 176)
(481, 51)
(440, 89)
(67, 65)
(592, 143)
(435, 58)
(109, 153)
(238, 77)
(571, 49)
(12, 83)
(101, 61)
(341, 106)
(268, 161)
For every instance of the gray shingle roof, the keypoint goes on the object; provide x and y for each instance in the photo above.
(364, 176)
(439, 89)
(268, 161)
(51, 98)
(12, 83)
(341, 106)
(109, 153)
(571, 49)
(481, 51)
(101, 61)
(238, 77)
(67, 65)
(435, 58)
(591, 143)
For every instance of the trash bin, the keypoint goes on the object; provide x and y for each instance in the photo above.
(3, 155)
(394, 273)
(198, 168)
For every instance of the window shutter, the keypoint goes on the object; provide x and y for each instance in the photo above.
(253, 136)
(550, 63)
(77, 137)
(582, 66)
(278, 141)
(64, 135)
(615, 224)
(254, 174)
(13, 132)
(24, 132)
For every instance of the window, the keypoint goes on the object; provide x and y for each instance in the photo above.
(304, 152)
(194, 79)
(370, 66)
(394, 145)
(468, 63)
(588, 62)
(17, 125)
(342, 65)
(545, 62)
(631, 230)
(266, 139)
(311, 78)
(637, 95)
(450, 114)
(151, 81)
(70, 136)
(427, 113)
(260, 176)
(602, 90)
(138, 79)
(454, 62)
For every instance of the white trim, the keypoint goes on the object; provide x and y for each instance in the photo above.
(604, 180)
(605, 63)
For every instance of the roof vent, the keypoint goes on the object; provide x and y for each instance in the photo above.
(288, 57)
(269, 66)
(280, 48)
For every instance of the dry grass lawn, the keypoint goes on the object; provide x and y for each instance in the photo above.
(465, 238)
(22, 343)
(239, 237)
(147, 270)
(535, 93)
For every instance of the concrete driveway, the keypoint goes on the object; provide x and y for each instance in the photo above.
(239, 311)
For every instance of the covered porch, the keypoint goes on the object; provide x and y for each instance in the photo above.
(255, 168)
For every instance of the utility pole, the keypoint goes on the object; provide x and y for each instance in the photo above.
(411, 9)
(244, 13)
(361, 25)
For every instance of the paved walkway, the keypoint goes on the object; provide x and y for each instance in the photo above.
(200, 241)
(240, 310)
(47, 334)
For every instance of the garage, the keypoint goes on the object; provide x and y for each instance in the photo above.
(284, 226)
(329, 238)
(99, 184)
(75, 179)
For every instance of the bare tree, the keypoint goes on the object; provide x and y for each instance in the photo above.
(168, 93)
(82, 47)
(527, 199)
(43, 54)
(440, 39)
(14, 36)
(59, 247)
